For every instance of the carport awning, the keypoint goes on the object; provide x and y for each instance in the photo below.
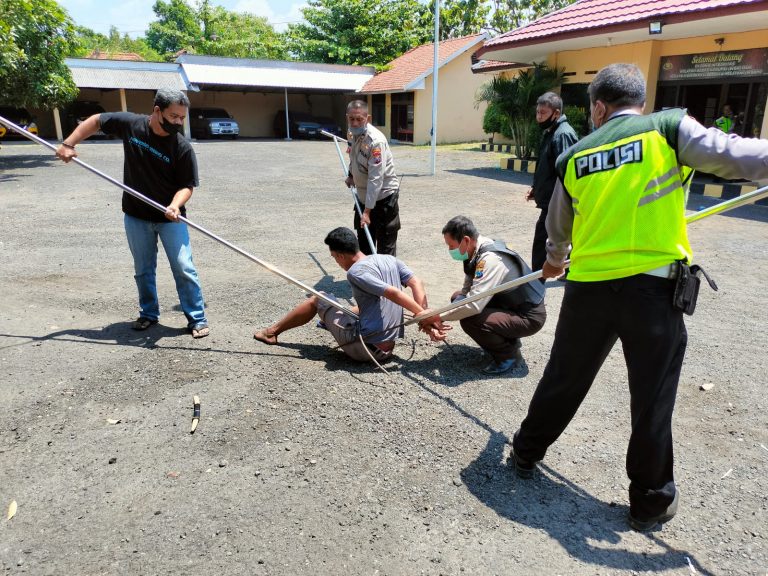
(211, 71)
(127, 75)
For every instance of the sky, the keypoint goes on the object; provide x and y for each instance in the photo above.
(133, 16)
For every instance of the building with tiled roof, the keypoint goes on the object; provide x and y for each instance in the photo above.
(400, 98)
(698, 54)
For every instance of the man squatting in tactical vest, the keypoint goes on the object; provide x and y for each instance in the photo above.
(372, 172)
(377, 283)
(498, 322)
(619, 203)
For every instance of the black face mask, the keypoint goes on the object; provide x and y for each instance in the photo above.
(548, 123)
(168, 126)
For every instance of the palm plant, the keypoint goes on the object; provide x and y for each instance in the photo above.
(516, 99)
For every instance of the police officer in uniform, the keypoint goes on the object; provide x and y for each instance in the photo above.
(498, 322)
(620, 204)
(372, 172)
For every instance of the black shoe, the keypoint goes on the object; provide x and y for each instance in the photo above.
(500, 367)
(523, 468)
(651, 523)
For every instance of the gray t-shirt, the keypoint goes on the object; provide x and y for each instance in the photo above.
(369, 278)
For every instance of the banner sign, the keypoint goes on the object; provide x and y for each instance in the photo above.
(731, 64)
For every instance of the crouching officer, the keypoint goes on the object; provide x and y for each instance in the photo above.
(498, 322)
(372, 172)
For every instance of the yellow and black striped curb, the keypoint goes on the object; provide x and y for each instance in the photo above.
(726, 190)
(489, 147)
(518, 165)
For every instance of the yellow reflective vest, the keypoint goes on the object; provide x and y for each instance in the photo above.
(628, 193)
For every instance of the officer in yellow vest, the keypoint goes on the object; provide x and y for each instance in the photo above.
(619, 203)
(725, 122)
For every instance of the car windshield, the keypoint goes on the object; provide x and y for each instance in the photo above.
(212, 113)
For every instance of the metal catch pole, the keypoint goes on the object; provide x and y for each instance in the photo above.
(352, 188)
(189, 223)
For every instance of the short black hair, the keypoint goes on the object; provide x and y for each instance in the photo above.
(550, 100)
(618, 85)
(460, 226)
(342, 240)
(164, 97)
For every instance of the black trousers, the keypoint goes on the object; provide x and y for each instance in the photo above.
(539, 248)
(385, 223)
(498, 331)
(637, 310)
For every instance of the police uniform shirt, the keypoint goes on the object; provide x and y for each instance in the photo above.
(491, 270)
(372, 166)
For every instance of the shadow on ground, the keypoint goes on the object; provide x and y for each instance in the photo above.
(589, 529)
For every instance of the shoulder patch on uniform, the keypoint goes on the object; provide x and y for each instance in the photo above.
(479, 269)
(376, 154)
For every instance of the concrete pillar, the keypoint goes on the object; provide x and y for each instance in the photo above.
(57, 124)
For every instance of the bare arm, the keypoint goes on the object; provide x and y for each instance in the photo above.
(88, 127)
(173, 211)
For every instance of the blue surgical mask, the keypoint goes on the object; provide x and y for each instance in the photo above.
(457, 255)
(359, 131)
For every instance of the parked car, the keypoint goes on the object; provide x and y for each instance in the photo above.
(18, 116)
(329, 125)
(302, 125)
(212, 123)
(78, 111)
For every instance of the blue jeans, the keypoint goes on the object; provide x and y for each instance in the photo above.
(142, 240)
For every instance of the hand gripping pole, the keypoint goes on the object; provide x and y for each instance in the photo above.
(352, 188)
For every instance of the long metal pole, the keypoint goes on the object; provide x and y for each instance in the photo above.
(189, 223)
(719, 208)
(353, 189)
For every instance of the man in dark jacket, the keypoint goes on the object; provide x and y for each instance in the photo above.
(558, 136)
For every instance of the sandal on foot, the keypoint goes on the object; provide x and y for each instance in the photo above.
(142, 323)
(200, 331)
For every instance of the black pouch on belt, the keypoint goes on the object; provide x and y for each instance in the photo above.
(687, 286)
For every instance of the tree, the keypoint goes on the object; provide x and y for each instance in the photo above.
(356, 32)
(516, 99)
(34, 39)
(507, 15)
(89, 41)
(460, 17)
(213, 31)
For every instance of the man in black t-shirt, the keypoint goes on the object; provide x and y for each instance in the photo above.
(159, 163)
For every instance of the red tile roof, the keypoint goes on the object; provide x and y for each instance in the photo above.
(484, 66)
(417, 62)
(599, 14)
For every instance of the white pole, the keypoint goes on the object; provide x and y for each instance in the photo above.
(287, 122)
(434, 89)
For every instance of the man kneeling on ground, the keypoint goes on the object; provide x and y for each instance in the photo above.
(497, 322)
(376, 285)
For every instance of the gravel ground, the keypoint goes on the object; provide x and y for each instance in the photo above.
(305, 463)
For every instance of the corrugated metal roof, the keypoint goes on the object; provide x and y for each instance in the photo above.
(406, 71)
(598, 14)
(209, 70)
(126, 74)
